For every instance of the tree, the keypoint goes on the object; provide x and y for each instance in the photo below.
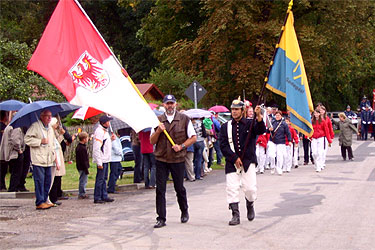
(16, 82)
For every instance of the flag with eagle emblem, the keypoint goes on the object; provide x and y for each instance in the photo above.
(73, 56)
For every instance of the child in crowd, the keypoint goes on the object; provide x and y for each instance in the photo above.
(82, 160)
(291, 146)
(115, 163)
(260, 151)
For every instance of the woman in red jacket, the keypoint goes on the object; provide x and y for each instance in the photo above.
(325, 118)
(318, 139)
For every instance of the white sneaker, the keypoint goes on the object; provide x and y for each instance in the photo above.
(272, 170)
(210, 169)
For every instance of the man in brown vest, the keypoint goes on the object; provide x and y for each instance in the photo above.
(171, 158)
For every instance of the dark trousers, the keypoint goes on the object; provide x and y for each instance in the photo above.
(219, 155)
(25, 168)
(162, 172)
(210, 157)
(364, 131)
(138, 173)
(100, 190)
(54, 192)
(343, 152)
(16, 166)
(3, 173)
(307, 150)
(116, 168)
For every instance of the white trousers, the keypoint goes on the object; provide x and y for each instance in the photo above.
(317, 148)
(295, 155)
(287, 166)
(277, 151)
(325, 151)
(261, 157)
(245, 180)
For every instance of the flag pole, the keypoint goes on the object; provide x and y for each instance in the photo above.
(118, 62)
(290, 5)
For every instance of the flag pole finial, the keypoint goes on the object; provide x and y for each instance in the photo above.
(290, 5)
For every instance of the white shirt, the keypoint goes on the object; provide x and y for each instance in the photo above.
(190, 128)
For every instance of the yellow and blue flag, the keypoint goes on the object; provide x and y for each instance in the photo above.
(287, 77)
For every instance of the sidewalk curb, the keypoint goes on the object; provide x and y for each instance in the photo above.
(31, 195)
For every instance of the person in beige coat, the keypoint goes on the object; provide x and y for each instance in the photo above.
(12, 148)
(40, 138)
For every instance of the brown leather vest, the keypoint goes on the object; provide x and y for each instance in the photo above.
(178, 132)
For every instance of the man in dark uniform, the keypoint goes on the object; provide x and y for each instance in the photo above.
(240, 161)
(171, 158)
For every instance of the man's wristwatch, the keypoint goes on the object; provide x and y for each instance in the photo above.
(183, 146)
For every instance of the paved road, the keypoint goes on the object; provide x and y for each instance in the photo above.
(333, 209)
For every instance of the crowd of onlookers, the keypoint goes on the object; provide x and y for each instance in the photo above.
(277, 150)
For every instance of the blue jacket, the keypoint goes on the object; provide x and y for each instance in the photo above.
(281, 133)
(366, 117)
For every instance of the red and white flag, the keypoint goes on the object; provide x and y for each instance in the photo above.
(73, 56)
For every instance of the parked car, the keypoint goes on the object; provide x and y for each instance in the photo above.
(223, 117)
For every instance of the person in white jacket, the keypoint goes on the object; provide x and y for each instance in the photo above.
(102, 147)
(40, 137)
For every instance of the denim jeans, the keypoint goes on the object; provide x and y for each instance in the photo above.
(219, 155)
(198, 157)
(149, 165)
(42, 182)
(113, 176)
(82, 183)
(100, 191)
(138, 164)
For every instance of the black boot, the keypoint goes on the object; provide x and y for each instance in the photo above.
(235, 214)
(250, 210)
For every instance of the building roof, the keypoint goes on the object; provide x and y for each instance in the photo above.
(150, 88)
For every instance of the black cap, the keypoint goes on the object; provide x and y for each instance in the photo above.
(169, 98)
(103, 119)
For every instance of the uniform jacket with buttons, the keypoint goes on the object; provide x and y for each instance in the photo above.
(240, 131)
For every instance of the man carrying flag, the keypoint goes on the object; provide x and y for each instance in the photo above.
(73, 56)
(287, 77)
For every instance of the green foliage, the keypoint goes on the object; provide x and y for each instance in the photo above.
(16, 82)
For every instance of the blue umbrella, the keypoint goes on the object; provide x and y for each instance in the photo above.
(11, 105)
(67, 108)
(30, 113)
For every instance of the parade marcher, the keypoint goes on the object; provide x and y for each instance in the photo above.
(365, 122)
(101, 155)
(318, 139)
(306, 143)
(291, 147)
(345, 138)
(373, 124)
(279, 139)
(240, 159)
(327, 120)
(261, 147)
(40, 137)
(171, 159)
